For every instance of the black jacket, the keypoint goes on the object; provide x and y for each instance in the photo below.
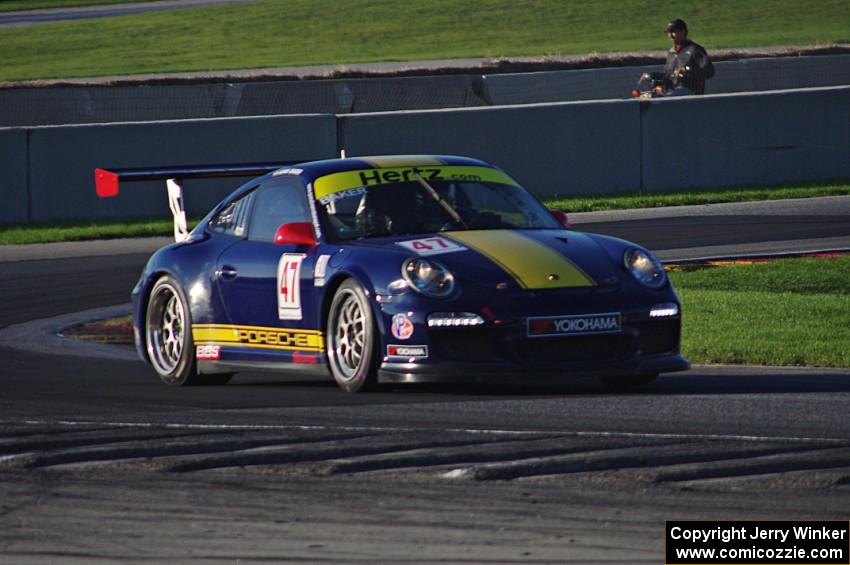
(690, 67)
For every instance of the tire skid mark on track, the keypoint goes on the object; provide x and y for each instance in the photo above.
(402, 429)
(780, 462)
(366, 446)
(130, 449)
(426, 455)
(43, 441)
(658, 457)
(418, 459)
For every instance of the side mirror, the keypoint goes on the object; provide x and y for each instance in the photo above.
(295, 233)
(561, 217)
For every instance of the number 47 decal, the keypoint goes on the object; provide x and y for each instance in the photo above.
(431, 245)
(289, 286)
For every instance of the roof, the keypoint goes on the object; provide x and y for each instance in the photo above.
(316, 169)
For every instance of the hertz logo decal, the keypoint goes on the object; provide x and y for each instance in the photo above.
(327, 186)
(258, 337)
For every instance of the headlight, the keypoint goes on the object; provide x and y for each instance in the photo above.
(645, 267)
(428, 277)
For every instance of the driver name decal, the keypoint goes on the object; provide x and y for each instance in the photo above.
(431, 246)
(289, 286)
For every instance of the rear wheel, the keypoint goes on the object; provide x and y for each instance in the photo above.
(352, 350)
(168, 335)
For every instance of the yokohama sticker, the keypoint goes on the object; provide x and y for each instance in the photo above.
(420, 351)
(575, 325)
(289, 286)
(431, 246)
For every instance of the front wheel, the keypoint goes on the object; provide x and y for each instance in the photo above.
(168, 334)
(352, 339)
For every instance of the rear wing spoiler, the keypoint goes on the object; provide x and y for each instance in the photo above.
(107, 182)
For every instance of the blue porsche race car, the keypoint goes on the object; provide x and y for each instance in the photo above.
(397, 269)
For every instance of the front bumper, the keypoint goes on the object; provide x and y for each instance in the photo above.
(458, 372)
(507, 354)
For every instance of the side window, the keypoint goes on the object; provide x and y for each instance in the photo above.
(231, 220)
(278, 201)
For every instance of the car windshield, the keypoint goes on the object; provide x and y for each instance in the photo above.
(427, 206)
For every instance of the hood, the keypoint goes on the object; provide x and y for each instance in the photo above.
(533, 259)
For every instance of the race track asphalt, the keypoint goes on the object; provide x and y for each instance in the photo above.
(98, 461)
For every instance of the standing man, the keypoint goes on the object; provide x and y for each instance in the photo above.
(688, 65)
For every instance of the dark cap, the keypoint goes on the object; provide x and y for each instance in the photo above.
(676, 24)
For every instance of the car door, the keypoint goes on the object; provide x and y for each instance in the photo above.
(266, 288)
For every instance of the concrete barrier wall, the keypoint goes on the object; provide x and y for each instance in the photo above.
(765, 138)
(745, 75)
(755, 75)
(62, 161)
(550, 148)
(64, 105)
(558, 86)
(358, 95)
(14, 184)
(600, 147)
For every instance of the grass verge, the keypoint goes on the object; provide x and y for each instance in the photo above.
(271, 33)
(745, 194)
(84, 231)
(790, 312)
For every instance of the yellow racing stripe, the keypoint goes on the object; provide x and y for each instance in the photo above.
(534, 265)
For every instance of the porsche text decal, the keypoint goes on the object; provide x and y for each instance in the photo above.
(206, 335)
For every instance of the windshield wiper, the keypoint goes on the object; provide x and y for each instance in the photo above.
(446, 206)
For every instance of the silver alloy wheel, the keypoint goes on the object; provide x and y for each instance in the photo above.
(166, 329)
(348, 336)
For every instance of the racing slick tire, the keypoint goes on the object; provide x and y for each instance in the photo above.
(623, 384)
(168, 337)
(352, 348)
